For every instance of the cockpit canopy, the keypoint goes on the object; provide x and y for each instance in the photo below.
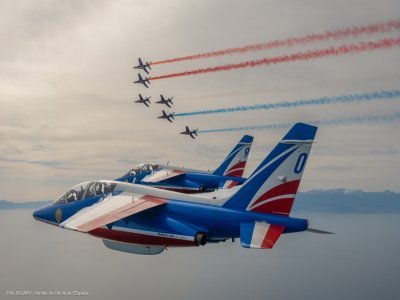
(142, 168)
(86, 190)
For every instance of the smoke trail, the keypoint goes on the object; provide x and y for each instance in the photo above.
(381, 95)
(285, 88)
(355, 31)
(331, 122)
(299, 56)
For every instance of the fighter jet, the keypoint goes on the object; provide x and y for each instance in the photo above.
(142, 81)
(143, 100)
(166, 116)
(228, 174)
(166, 102)
(138, 219)
(142, 66)
(189, 132)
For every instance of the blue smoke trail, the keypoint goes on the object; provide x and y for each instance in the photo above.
(371, 96)
(331, 122)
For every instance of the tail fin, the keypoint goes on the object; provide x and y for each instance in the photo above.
(235, 162)
(273, 185)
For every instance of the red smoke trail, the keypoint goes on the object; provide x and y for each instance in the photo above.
(299, 56)
(311, 38)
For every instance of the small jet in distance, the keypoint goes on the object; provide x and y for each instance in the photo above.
(143, 66)
(190, 132)
(166, 116)
(145, 100)
(166, 102)
(142, 81)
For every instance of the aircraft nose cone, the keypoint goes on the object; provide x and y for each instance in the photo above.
(44, 214)
(37, 214)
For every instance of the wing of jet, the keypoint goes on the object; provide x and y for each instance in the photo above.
(110, 210)
(163, 175)
(187, 131)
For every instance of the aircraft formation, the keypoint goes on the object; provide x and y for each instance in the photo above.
(345, 41)
(142, 212)
(155, 206)
(163, 100)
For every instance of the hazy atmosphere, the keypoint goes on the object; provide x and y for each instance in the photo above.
(358, 262)
(68, 115)
(67, 95)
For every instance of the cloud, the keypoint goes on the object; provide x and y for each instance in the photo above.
(66, 92)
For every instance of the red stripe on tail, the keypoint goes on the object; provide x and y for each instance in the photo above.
(237, 170)
(273, 234)
(278, 206)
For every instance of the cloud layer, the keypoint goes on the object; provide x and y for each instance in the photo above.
(66, 92)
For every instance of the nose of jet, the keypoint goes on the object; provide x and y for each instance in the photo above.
(44, 214)
(38, 214)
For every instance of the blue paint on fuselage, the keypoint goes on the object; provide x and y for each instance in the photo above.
(188, 180)
(217, 221)
(179, 217)
(48, 213)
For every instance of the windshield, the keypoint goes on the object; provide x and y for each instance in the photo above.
(142, 168)
(86, 190)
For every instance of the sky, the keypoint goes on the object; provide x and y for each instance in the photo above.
(66, 93)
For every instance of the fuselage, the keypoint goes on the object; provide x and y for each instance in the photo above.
(176, 223)
(188, 182)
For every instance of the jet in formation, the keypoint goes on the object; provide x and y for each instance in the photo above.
(167, 102)
(189, 132)
(166, 116)
(145, 101)
(185, 180)
(139, 219)
(142, 66)
(144, 81)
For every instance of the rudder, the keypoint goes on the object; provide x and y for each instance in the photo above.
(273, 185)
(235, 162)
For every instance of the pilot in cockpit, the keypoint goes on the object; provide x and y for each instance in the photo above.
(99, 188)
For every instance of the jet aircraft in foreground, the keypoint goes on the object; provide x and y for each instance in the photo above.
(145, 101)
(167, 102)
(142, 81)
(142, 66)
(189, 132)
(166, 116)
(143, 220)
(228, 174)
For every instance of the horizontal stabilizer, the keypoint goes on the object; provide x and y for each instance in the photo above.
(259, 235)
(319, 231)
